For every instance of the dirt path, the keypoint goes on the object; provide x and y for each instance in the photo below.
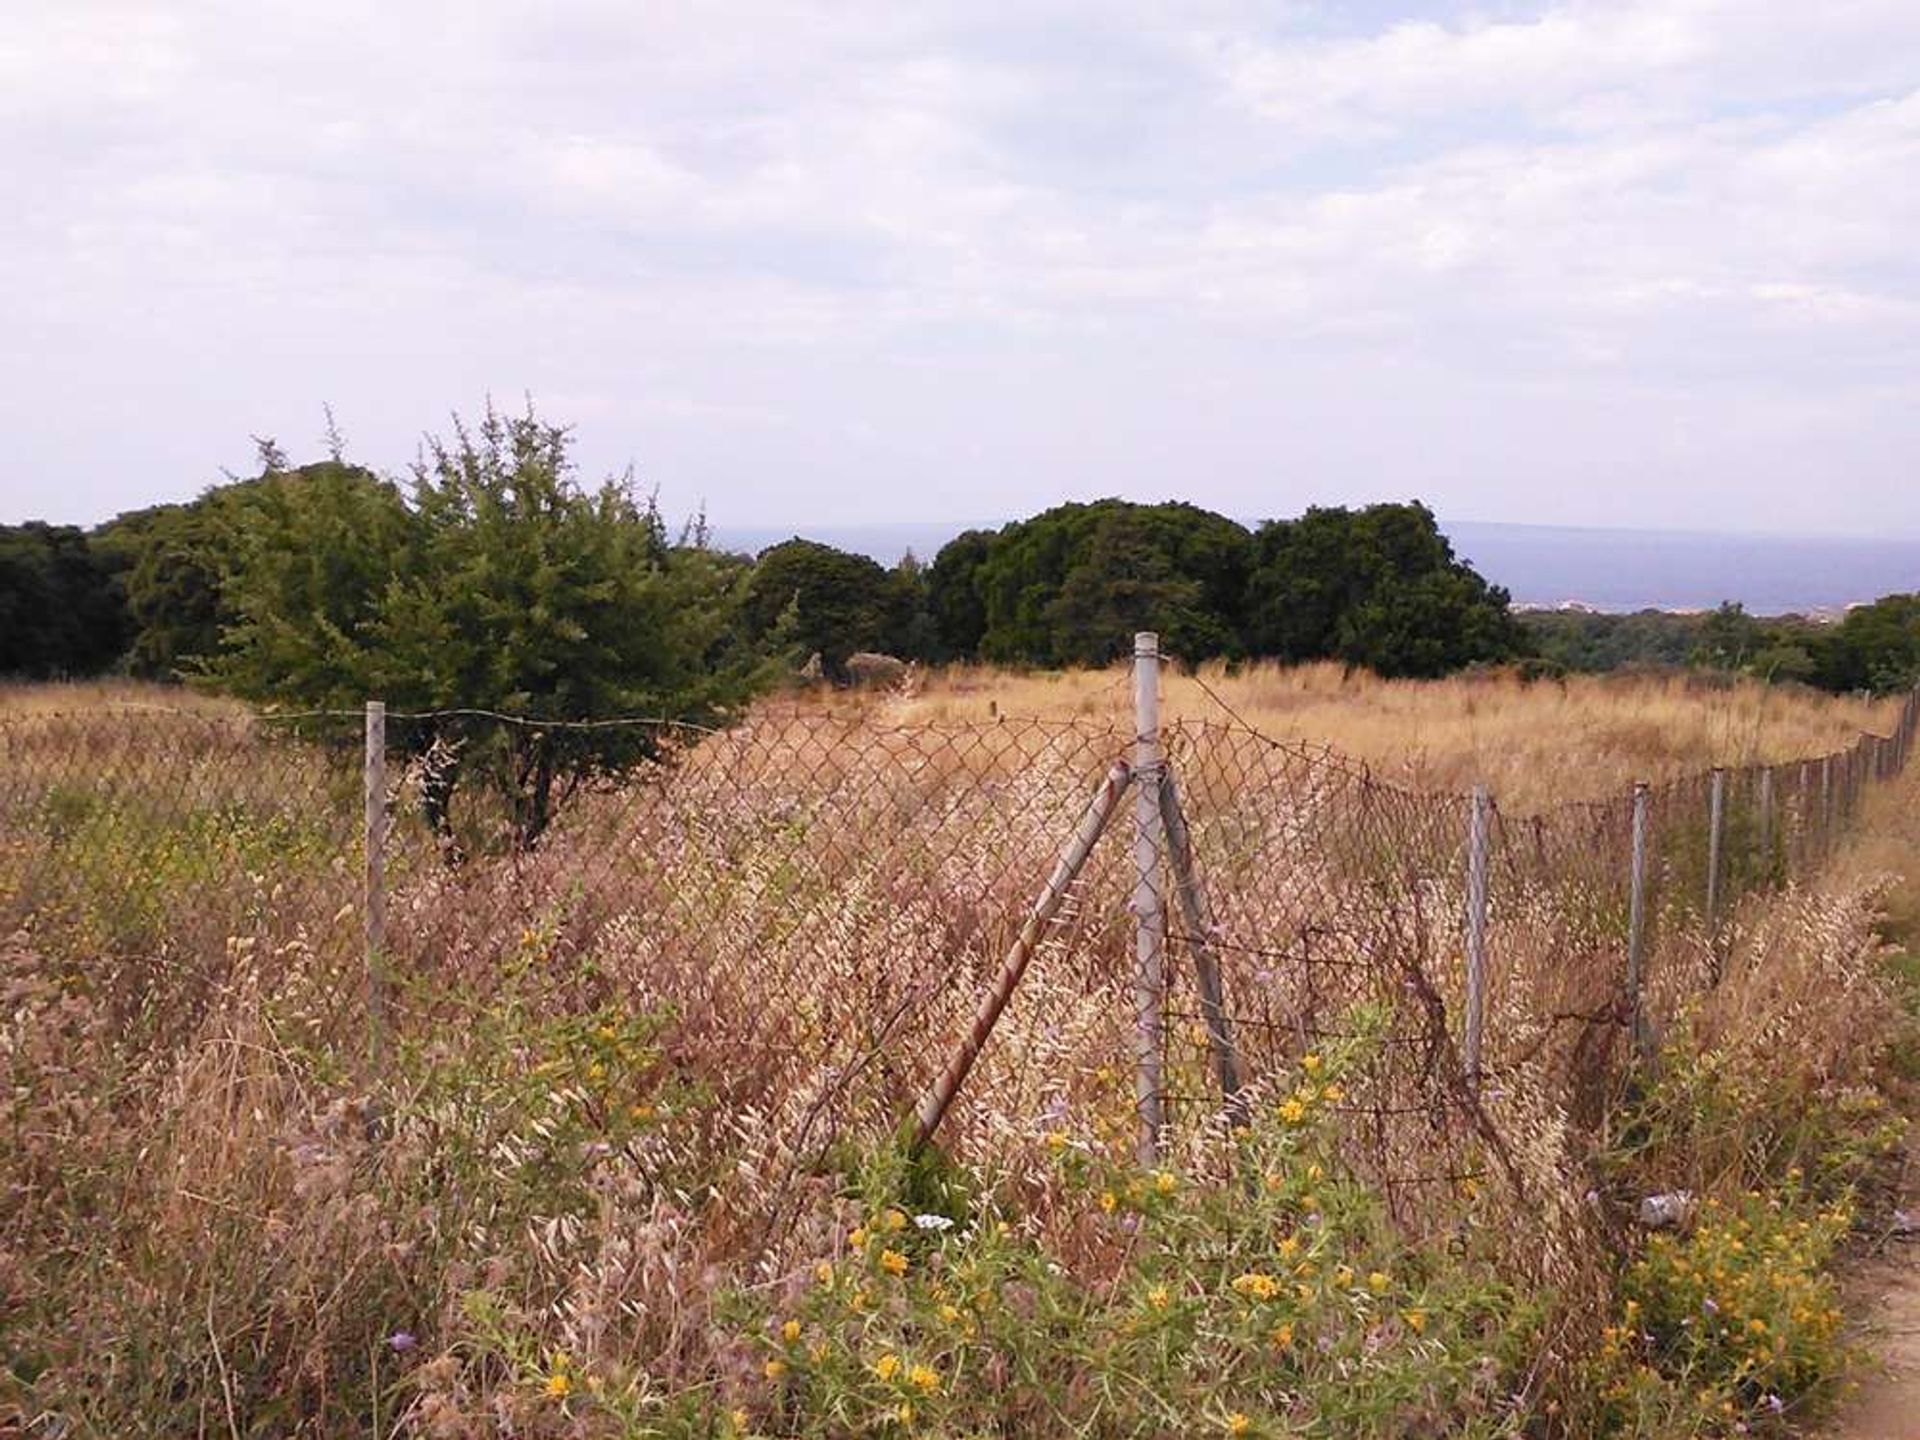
(1887, 1403)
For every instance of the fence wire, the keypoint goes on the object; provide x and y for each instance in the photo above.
(825, 901)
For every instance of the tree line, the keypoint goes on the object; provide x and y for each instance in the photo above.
(493, 575)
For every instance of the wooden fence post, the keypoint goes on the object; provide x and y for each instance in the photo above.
(1637, 924)
(1764, 803)
(1149, 913)
(1197, 915)
(934, 1104)
(1716, 826)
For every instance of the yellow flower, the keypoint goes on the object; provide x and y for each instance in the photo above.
(894, 1220)
(1056, 1141)
(1157, 1297)
(1256, 1285)
(893, 1262)
(1290, 1246)
(1292, 1111)
(887, 1366)
(1377, 1282)
(1310, 1064)
(903, 1412)
(823, 1272)
(1108, 1200)
(925, 1379)
(774, 1368)
(1164, 1182)
(1237, 1424)
(1333, 1094)
(559, 1384)
(740, 1419)
(857, 1237)
(1315, 1173)
(950, 1314)
(790, 1331)
(1343, 1277)
(1416, 1321)
(1281, 1335)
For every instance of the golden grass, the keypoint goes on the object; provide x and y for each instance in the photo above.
(1534, 743)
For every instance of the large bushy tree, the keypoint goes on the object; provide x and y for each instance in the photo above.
(806, 598)
(495, 581)
(1379, 587)
(1876, 647)
(62, 613)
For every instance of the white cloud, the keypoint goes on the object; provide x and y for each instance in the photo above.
(757, 240)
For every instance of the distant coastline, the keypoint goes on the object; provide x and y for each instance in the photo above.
(1548, 567)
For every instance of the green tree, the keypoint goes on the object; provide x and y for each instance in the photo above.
(1378, 587)
(954, 602)
(1876, 647)
(808, 598)
(496, 582)
(61, 609)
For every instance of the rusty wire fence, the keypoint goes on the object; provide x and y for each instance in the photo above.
(857, 930)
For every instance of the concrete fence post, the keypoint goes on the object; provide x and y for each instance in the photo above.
(1149, 912)
(1476, 1018)
(1716, 828)
(1637, 924)
(374, 896)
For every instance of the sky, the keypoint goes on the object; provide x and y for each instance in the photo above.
(1644, 263)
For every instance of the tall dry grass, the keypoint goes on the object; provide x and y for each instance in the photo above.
(1536, 743)
(639, 1076)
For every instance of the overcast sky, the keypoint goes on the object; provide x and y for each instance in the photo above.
(1652, 262)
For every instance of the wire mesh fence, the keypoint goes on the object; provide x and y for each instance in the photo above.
(875, 925)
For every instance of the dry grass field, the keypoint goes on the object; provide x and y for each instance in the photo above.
(1537, 744)
(626, 1165)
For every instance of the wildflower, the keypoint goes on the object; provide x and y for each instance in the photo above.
(887, 1366)
(1164, 1182)
(1333, 1094)
(1315, 1173)
(893, 1262)
(894, 1220)
(401, 1341)
(790, 1331)
(1108, 1200)
(1290, 1246)
(1157, 1297)
(1256, 1285)
(1281, 1335)
(950, 1314)
(823, 1272)
(774, 1368)
(925, 1379)
(857, 1237)
(559, 1385)
(933, 1222)
(1377, 1282)
(1416, 1321)
(1311, 1064)
(1292, 1111)
(1237, 1424)
(1056, 1141)
(1343, 1277)
(903, 1412)
(740, 1419)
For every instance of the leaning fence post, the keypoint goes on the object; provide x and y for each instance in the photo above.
(1826, 805)
(374, 908)
(1198, 917)
(933, 1105)
(1149, 916)
(1476, 931)
(1637, 922)
(1716, 824)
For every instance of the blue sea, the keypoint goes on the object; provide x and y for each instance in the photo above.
(1552, 565)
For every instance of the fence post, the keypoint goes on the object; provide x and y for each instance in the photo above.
(1476, 932)
(933, 1105)
(1198, 918)
(374, 908)
(1826, 805)
(1716, 825)
(1764, 802)
(1637, 923)
(1149, 915)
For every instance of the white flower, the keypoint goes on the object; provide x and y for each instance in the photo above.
(933, 1222)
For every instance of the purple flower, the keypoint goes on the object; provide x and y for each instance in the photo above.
(1776, 1404)
(401, 1341)
(1708, 1306)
